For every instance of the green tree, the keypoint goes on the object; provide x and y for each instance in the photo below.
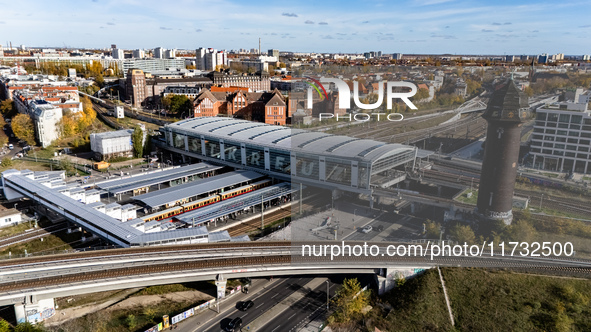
(6, 162)
(180, 105)
(137, 139)
(4, 326)
(131, 321)
(462, 233)
(432, 229)
(28, 327)
(22, 126)
(349, 301)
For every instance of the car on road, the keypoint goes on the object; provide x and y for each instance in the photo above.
(10, 146)
(246, 305)
(234, 325)
(366, 229)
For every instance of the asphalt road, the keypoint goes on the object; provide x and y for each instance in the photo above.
(299, 313)
(263, 301)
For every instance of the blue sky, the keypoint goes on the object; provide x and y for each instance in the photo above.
(414, 26)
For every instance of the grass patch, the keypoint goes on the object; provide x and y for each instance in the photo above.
(13, 230)
(173, 288)
(80, 300)
(485, 300)
(463, 197)
(550, 175)
(50, 242)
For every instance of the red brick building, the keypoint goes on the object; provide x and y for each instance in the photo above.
(267, 107)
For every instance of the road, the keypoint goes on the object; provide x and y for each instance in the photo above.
(302, 311)
(264, 299)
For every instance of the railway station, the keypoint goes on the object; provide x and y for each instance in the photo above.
(139, 184)
(191, 191)
(121, 224)
(296, 155)
(279, 193)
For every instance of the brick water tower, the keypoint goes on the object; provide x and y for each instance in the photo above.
(507, 110)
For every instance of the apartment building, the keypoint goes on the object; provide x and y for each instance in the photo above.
(267, 107)
(561, 139)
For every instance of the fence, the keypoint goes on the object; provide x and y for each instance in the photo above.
(189, 313)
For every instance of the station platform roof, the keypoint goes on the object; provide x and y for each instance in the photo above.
(196, 188)
(235, 204)
(120, 186)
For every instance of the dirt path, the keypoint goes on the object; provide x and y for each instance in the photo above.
(123, 301)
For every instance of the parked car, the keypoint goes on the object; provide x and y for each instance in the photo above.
(246, 305)
(234, 325)
(366, 229)
(10, 146)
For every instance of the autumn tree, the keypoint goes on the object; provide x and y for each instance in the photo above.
(3, 138)
(421, 94)
(4, 326)
(349, 301)
(88, 115)
(178, 104)
(23, 128)
(7, 107)
(137, 139)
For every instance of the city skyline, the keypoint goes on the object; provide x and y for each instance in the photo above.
(426, 27)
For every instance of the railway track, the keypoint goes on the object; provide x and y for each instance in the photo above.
(290, 256)
(254, 225)
(72, 255)
(568, 205)
(31, 235)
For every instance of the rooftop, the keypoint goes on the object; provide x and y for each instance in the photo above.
(284, 138)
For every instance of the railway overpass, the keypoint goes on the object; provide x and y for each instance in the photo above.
(26, 281)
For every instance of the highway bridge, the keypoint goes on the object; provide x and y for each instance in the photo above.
(27, 280)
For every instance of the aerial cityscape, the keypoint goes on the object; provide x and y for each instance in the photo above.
(251, 166)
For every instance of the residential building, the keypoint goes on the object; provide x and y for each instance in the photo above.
(135, 86)
(112, 144)
(139, 54)
(274, 53)
(151, 65)
(170, 54)
(117, 53)
(159, 53)
(10, 217)
(561, 139)
(397, 56)
(209, 59)
(267, 107)
(256, 82)
(46, 118)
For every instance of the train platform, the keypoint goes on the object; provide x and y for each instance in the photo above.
(236, 204)
(183, 193)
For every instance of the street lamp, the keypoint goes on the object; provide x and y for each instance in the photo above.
(541, 198)
(327, 294)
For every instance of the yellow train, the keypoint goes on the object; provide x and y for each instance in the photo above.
(176, 210)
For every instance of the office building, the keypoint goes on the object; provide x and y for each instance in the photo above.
(117, 53)
(561, 139)
(139, 54)
(159, 53)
